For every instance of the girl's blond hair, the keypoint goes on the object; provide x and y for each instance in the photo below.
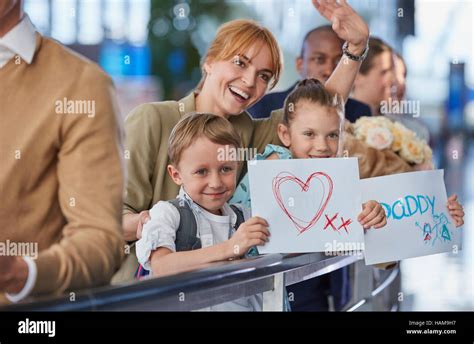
(314, 91)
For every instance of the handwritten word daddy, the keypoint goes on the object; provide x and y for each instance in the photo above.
(409, 206)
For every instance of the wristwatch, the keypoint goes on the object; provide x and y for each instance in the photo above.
(353, 57)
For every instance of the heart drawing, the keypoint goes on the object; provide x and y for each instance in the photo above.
(284, 177)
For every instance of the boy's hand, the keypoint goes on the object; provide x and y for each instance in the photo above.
(373, 214)
(455, 210)
(252, 232)
(143, 217)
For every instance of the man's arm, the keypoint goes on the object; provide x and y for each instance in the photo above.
(91, 178)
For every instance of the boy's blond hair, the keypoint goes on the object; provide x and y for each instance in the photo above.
(194, 125)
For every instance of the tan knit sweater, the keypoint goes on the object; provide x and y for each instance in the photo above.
(61, 176)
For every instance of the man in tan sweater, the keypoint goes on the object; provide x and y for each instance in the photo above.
(61, 175)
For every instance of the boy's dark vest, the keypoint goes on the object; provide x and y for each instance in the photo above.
(186, 235)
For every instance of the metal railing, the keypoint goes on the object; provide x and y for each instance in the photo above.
(227, 281)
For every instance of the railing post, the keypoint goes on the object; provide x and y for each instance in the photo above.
(363, 284)
(273, 300)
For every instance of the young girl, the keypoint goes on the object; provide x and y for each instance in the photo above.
(312, 126)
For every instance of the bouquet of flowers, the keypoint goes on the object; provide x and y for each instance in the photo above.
(381, 133)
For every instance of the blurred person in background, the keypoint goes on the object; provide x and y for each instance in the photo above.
(410, 119)
(320, 53)
(376, 77)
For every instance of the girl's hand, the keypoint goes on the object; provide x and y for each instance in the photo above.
(252, 232)
(373, 214)
(346, 23)
(455, 210)
(143, 217)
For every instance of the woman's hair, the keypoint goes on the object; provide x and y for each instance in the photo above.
(194, 125)
(236, 37)
(400, 57)
(313, 90)
(376, 47)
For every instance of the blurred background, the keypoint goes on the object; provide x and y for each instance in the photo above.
(152, 49)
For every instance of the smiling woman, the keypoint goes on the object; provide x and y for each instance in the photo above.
(242, 63)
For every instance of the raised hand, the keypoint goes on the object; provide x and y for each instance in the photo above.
(347, 24)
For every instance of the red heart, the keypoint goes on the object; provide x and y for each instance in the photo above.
(288, 177)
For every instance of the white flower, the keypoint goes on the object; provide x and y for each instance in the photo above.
(380, 132)
(379, 138)
(364, 124)
(412, 150)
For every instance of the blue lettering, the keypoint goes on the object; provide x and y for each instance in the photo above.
(410, 211)
(426, 204)
(432, 203)
(408, 206)
(395, 216)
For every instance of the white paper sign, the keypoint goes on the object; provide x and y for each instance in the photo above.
(311, 205)
(418, 222)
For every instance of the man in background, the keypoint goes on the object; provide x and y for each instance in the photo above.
(319, 56)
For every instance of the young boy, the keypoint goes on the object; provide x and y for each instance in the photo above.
(207, 182)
